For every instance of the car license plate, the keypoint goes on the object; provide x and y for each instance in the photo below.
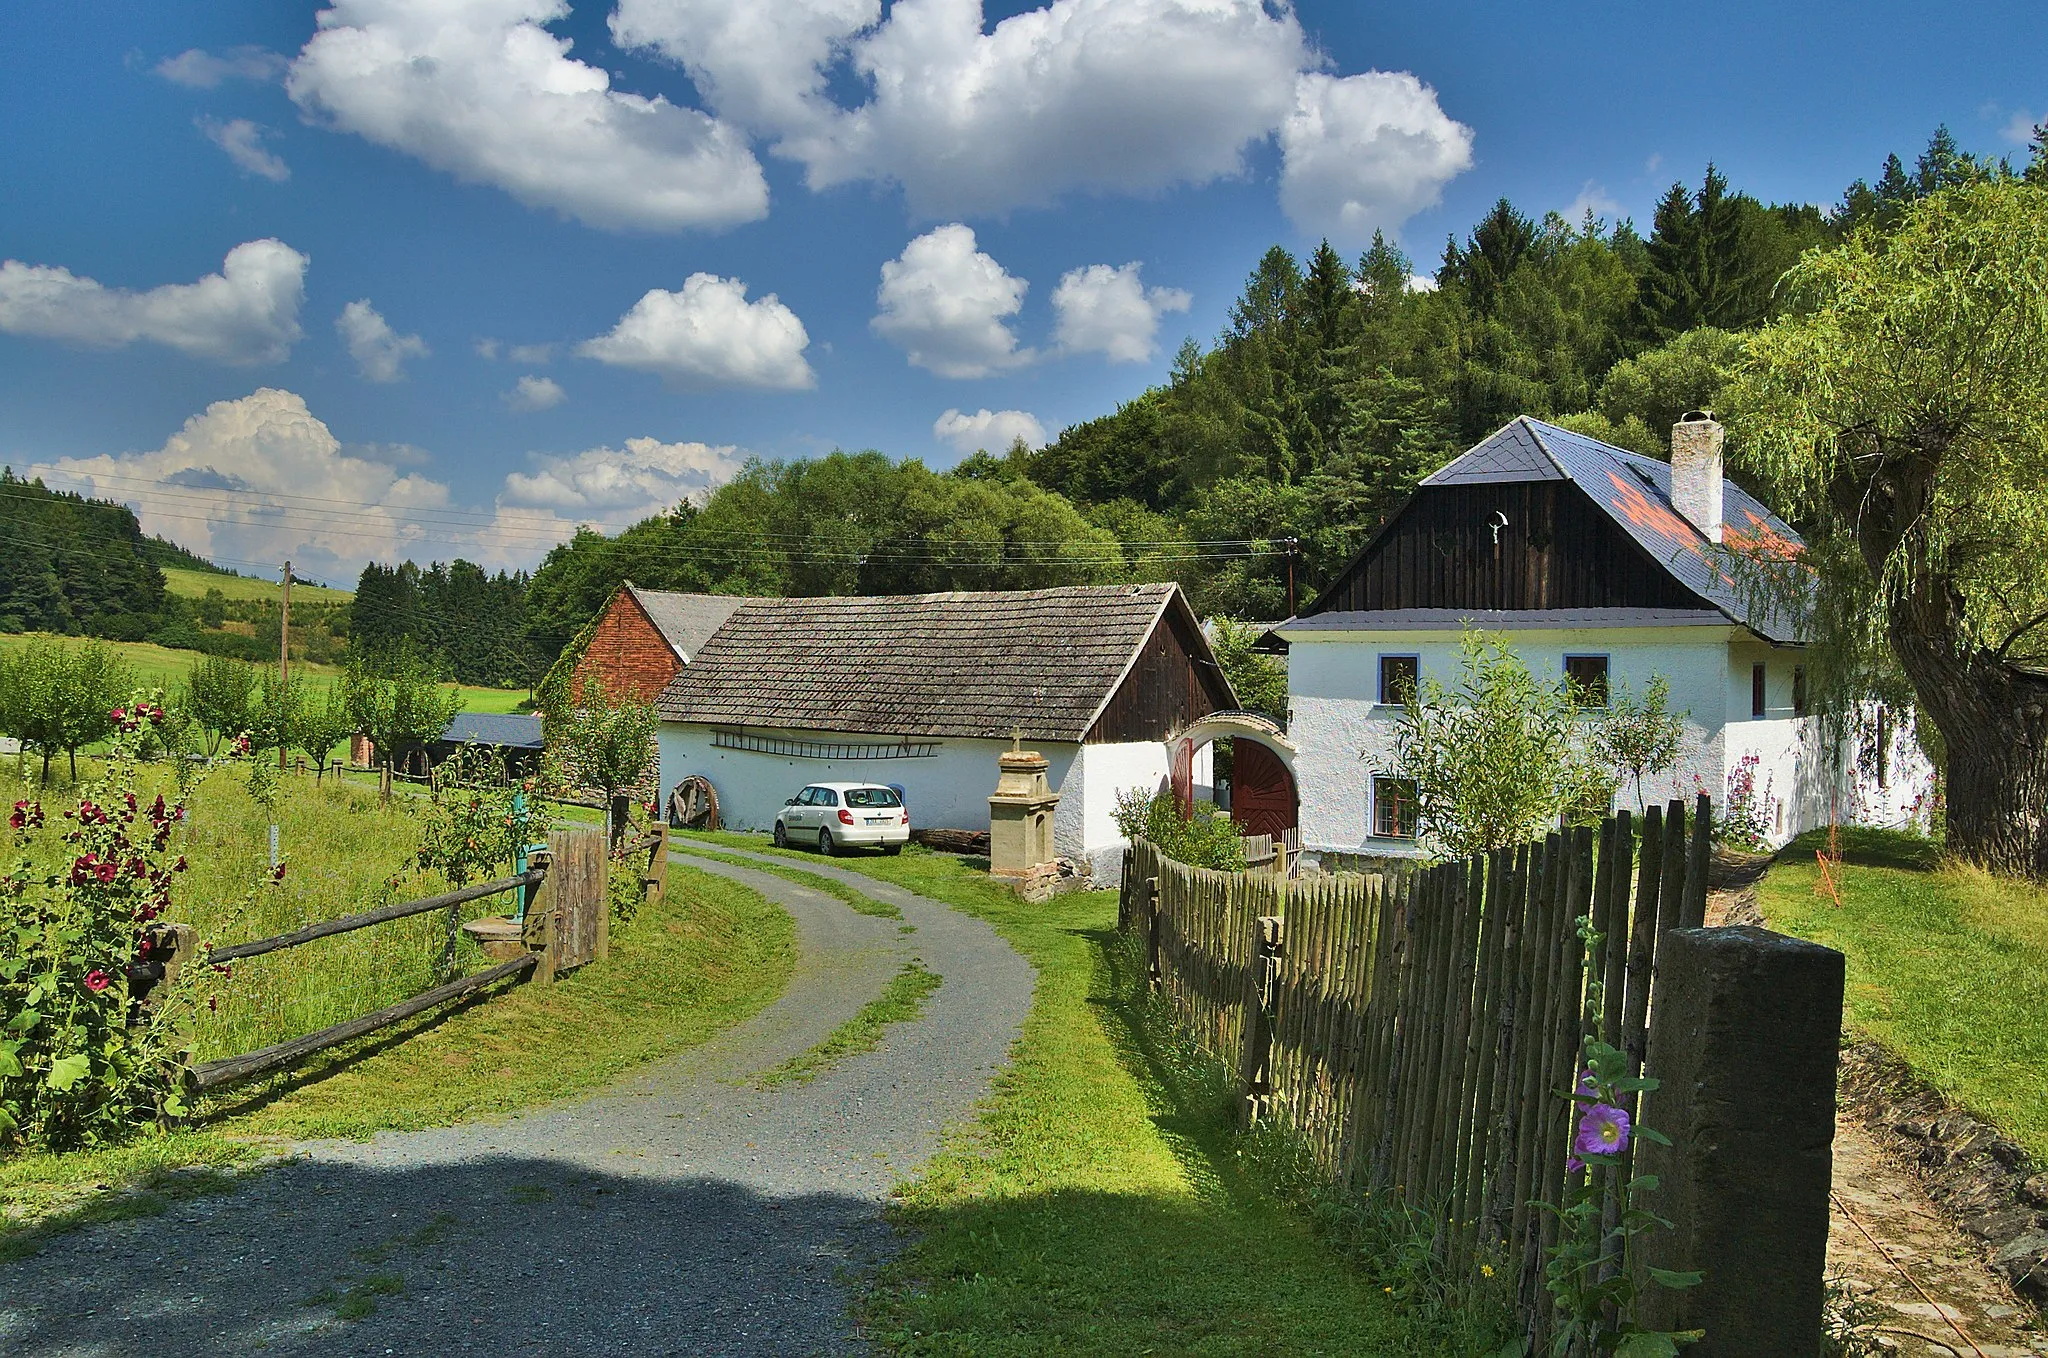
(878, 820)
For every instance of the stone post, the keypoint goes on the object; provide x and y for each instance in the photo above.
(1020, 816)
(1744, 1036)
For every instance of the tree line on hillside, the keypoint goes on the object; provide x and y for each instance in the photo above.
(1279, 449)
(473, 624)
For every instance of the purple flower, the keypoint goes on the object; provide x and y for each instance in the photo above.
(1603, 1130)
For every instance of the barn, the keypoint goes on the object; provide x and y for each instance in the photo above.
(924, 691)
(644, 636)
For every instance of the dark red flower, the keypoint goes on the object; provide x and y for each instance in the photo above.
(277, 873)
(180, 865)
(97, 980)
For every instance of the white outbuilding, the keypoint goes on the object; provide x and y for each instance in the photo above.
(923, 692)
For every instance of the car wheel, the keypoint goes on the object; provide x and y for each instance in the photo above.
(825, 845)
(892, 849)
(781, 836)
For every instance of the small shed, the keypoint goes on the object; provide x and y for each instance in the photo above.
(515, 735)
(925, 691)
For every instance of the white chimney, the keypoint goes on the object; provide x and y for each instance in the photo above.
(1696, 470)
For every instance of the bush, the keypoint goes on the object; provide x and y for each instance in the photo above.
(1203, 840)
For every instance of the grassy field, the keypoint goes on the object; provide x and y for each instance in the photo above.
(1948, 968)
(162, 667)
(194, 584)
(710, 955)
(1100, 1203)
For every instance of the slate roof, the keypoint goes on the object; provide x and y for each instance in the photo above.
(933, 665)
(1501, 619)
(685, 621)
(1635, 491)
(510, 730)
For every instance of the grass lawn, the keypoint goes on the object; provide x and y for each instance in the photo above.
(711, 954)
(1099, 1204)
(194, 584)
(1948, 968)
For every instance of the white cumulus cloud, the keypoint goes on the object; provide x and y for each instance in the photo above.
(1109, 311)
(379, 351)
(247, 313)
(709, 335)
(535, 393)
(243, 141)
(619, 486)
(198, 69)
(1593, 198)
(481, 90)
(946, 305)
(261, 479)
(992, 431)
(1366, 151)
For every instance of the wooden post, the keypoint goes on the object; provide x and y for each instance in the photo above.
(1254, 1064)
(1152, 933)
(284, 657)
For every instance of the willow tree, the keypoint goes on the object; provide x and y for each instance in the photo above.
(1901, 410)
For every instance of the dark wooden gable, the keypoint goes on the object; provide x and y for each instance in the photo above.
(1174, 683)
(1558, 550)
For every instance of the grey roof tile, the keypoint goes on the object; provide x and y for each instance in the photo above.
(686, 621)
(941, 665)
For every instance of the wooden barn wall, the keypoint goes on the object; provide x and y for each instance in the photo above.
(1167, 689)
(1558, 551)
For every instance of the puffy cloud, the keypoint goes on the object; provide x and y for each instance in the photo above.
(1366, 151)
(261, 479)
(246, 313)
(379, 351)
(535, 393)
(1113, 95)
(1595, 199)
(2020, 128)
(201, 70)
(709, 335)
(620, 486)
(946, 304)
(987, 430)
(243, 141)
(1109, 311)
(479, 89)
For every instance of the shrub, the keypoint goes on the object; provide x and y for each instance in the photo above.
(1203, 840)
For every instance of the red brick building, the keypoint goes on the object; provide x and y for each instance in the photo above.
(645, 636)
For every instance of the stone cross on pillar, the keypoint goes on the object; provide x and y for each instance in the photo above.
(1020, 817)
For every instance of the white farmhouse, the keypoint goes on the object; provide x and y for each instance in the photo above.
(1594, 563)
(924, 691)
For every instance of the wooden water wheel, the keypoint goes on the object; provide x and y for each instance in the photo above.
(693, 805)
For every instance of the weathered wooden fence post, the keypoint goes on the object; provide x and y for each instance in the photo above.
(1152, 933)
(1744, 1044)
(1261, 984)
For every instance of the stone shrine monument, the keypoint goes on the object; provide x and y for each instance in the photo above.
(1020, 814)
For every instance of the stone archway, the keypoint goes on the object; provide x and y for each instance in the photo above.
(1264, 797)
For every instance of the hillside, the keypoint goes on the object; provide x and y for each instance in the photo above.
(189, 583)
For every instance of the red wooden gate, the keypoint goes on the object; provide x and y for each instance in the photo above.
(1262, 798)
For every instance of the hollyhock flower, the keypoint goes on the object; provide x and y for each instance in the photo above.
(277, 873)
(97, 980)
(1603, 1130)
(1573, 1164)
(107, 870)
(180, 865)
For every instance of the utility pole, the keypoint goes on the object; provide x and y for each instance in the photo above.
(1292, 544)
(284, 659)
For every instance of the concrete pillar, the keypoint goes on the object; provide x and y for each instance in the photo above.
(1020, 821)
(1744, 1034)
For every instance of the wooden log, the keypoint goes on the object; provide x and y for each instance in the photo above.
(214, 1074)
(383, 914)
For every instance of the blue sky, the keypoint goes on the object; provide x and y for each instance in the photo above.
(482, 191)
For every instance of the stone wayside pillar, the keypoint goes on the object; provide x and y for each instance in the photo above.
(1020, 825)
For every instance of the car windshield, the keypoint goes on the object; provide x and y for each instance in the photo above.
(872, 796)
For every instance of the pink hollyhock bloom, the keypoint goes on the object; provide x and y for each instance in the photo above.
(1603, 1130)
(97, 980)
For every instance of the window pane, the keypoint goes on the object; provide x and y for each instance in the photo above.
(1757, 705)
(1799, 690)
(1393, 808)
(1587, 675)
(1398, 674)
(826, 797)
(871, 796)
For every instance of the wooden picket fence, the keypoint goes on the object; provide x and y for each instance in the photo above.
(1415, 1032)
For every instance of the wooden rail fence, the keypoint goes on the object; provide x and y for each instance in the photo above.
(1416, 1031)
(564, 914)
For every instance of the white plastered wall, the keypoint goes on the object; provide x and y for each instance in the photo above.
(1343, 733)
(947, 790)
(1084, 827)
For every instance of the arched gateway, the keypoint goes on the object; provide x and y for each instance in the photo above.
(1263, 795)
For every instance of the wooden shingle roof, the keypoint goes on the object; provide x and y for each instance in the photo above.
(937, 665)
(685, 621)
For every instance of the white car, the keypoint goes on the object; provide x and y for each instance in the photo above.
(837, 816)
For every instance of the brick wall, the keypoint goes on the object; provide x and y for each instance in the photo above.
(626, 653)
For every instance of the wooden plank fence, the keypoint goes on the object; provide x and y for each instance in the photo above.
(566, 916)
(1415, 1031)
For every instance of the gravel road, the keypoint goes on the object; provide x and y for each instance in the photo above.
(685, 1210)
